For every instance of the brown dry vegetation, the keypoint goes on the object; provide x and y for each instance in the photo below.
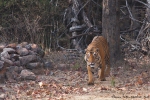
(129, 80)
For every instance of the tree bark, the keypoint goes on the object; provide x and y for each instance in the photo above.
(110, 28)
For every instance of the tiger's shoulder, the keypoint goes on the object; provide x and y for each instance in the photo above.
(97, 41)
(97, 38)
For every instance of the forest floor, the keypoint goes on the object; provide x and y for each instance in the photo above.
(129, 80)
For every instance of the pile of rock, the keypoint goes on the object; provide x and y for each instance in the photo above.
(18, 60)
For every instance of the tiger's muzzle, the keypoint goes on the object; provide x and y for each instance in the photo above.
(92, 65)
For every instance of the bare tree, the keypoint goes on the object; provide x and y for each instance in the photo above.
(110, 27)
(144, 33)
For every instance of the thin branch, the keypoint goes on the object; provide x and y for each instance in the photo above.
(143, 3)
(96, 3)
(128, 30)
(131, 16)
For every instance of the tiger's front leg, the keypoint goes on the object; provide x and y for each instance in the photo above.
(90, 75)
(101, 72)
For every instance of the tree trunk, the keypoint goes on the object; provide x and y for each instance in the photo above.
(75, 8)
(110, 28)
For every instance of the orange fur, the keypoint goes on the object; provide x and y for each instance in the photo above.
(97, 54)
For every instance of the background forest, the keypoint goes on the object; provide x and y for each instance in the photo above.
(45, 22)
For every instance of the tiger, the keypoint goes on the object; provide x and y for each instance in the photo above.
(97, 56)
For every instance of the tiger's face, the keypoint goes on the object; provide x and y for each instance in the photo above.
(92, 57)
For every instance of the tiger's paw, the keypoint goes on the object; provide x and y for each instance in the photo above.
(90, 83)
(102, 79)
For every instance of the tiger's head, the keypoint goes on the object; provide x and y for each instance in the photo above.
(92, 57)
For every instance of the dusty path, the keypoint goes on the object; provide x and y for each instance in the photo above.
(127, 82)
(72, 85)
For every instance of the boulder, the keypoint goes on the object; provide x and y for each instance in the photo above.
(22, 51)
(1, 64)
(7, 61)
(13, 73)
(17, 63)
(12, 45)
(5, 55)
(14, 57)
(23, 44)
(9, 50)
(27, 75)
(34, 65)
(32, 52)
(34, 47)
(28, 47)
(19, 46)
(27, 59)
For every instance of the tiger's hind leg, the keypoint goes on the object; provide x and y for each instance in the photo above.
(90, 75)
(107, 72)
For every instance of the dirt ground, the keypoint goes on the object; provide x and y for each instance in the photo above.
(67, 80)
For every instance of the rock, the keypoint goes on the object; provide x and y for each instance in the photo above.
(17, 63)
(9, 50)
(14, 57)
(19, 46)
(22, 51)
(9, 62)
(1, 64)
(37, 49)
(12, 45)
(34, 47)
(23, 44)
(5, 55)
(11, 77)
(15, 69)
(13, 73)
(27, 59)
(28, 47)
(34, 65)
(28, 75)
(32, 52)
